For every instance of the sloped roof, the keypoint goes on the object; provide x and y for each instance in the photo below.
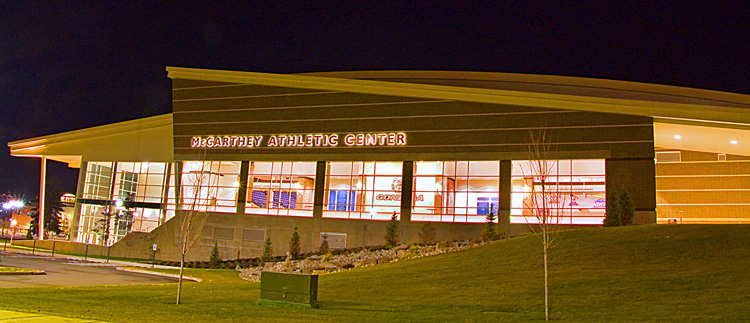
(145, 139)
(705, 120)
(669, 104)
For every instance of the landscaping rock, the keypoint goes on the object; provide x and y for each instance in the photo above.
(362, 258)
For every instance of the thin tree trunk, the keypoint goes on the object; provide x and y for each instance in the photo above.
(546, 284)
(179, 283)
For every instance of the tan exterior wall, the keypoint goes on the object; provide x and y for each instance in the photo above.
(435, 129)
(701, 189)
(637, 177)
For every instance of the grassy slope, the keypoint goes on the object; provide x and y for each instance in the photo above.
(639, 273)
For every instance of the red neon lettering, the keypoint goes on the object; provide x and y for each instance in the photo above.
(371, 140)
(349, 140)
(381, 138)
(401, 139)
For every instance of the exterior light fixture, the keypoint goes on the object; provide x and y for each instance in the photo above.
(118, 203)
(12, 205)
(733, 142)
(678, 137)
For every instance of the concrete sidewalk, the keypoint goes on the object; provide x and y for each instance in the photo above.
(21, 317)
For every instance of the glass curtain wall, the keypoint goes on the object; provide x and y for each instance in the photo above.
(574, 191)
(455, 191)
(363, 190)
(281, 188)
(210, 186)
(119, 198)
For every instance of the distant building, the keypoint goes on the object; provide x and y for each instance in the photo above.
(336, 154)
(20, 219)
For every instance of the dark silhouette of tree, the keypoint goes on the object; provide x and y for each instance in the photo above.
(52, 208)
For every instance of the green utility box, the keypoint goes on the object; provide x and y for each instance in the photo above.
(288, 289)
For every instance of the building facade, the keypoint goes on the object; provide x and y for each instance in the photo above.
(338, 154)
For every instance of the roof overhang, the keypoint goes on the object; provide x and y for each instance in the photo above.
(146, 139)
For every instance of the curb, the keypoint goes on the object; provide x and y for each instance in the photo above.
(141, 271)
(18, 273)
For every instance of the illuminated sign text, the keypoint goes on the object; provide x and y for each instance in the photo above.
(309, 140)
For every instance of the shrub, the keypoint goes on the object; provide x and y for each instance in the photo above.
(620, 210)
(427, 235)
(267, 255)
(627, 209)
(612, 217)
(391, 230)
(490, 233)
(324, 245)
(214, 261)
(294, 244)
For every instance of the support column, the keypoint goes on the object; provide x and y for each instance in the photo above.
(320, 182)
(42, 186)
(318, 199)
(73, 230)
(242, 190)
(407, 188)
(638, 177)
(503, 212)
(407, 196)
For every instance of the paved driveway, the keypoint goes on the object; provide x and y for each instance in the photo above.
(68, 272)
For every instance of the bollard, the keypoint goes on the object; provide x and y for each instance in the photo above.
(86, 255)
(108, 247)
(53, 246)
(33, 249)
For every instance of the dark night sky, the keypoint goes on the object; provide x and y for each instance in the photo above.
(70, 65)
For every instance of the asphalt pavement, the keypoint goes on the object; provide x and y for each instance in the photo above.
(70, 271)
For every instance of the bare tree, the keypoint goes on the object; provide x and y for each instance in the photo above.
(199, 187)
(542, 202)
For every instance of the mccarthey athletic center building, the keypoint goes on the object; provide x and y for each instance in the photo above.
(338, 153)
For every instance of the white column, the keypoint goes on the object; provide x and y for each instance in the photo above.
(42, 185)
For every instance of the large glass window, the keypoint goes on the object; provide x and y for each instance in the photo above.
(570, 191)
(120, 198)
(98, 180)
(281, 188)
(455, 191)
(210, 186)
(363, 190)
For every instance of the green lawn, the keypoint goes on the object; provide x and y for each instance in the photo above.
(640, 273)
(4, 269)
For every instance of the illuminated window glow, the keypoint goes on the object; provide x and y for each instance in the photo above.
(455, 191)
(363, 190)
(281, 188)
(575, 191)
